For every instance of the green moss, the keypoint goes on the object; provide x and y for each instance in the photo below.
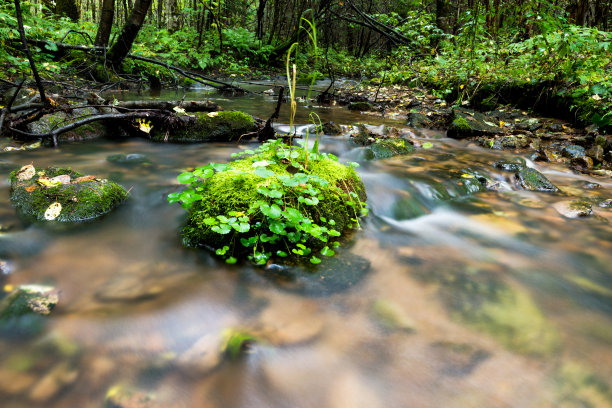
(461, 124)
(533, 180)
(385, 148)
(235, 189)
(79, 201)
(223, 126)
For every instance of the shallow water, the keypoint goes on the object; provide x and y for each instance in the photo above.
(449, 297)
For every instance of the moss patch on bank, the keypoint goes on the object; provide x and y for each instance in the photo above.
(64, 195)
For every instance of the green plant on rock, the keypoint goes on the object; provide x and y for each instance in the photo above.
(268, 204)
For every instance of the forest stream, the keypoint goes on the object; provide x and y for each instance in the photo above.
(449, 296)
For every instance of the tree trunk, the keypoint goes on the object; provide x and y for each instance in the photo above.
(172, 11)
(442, 15)
(130, 30)
(67, 8)
(260, 19)
(106, 23)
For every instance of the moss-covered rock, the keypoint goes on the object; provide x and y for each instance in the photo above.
(272, 196)
(221, 126)
(385, 148)
(56, 194)
(466, 123)
(360, 106)
(27, 299)
(52, 121)
(531, 179)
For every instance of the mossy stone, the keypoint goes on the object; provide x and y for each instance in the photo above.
(80, 197)
(385, 148)
(221, 126)
(235, 189)
(468, 123)
(531, 179)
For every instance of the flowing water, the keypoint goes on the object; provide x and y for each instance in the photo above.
(448, 297)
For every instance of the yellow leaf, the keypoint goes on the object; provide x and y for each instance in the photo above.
(144, 125)
(501, 124)
(8, 288)
(212, 114)
(467, 176)
(53, 211)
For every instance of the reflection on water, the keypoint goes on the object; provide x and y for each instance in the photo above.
(455, 294)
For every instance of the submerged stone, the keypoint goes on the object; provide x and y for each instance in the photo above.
(531, 179)
(64, 195)
(391, 317)
(573, 208)
(129, 159)
(336, 274)
(458, 359)
(219, 126)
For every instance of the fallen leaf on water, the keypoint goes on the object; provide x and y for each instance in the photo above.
(53, 211)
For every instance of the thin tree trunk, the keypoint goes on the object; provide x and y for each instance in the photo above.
(130, 30)
(41, 89)
(106, 23)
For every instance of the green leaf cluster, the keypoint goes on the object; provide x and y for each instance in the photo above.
(271, 202)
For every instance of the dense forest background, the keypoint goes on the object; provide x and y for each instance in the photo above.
(454, 48)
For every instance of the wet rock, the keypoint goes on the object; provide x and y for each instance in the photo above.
(28, 299)
(466, 123)
(360, 106)
(555, 127)
(63, 195)
(386, 148)
(530, 124)
(515, 141)
(573, 151)
(573, 208)
(606, 203)
(419, 120)
(531, 179)
(129, 159)
(53, 382)
(391, 317)
(334, 274)
(601, 140)
(332, 129)
(584, 162)
(596, 152)
(514, 165)
(549, 155)
(458, 359)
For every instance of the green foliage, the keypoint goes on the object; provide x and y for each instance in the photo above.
(270, 202)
